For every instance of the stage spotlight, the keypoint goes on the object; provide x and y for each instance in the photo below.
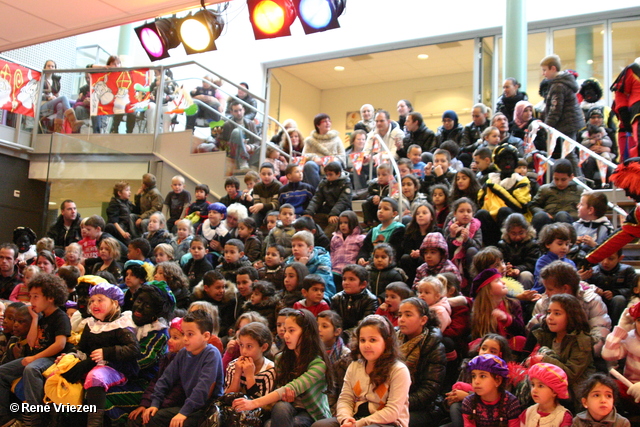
(199, 31)
(319, 15)
(158, 37)
(271, 18)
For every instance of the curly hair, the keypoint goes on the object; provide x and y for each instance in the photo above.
(576, 316)
(389, 356)
(51, 286)
(173, 275)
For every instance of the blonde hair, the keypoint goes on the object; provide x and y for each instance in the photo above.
(482, 322)
(45, 244)
(551, 61)
(113, 246)
(435, 282)
(187, 223)
(178, 178)
(304, 236)
(166, 248)
(31, 268)
(74, 247)
(161, 217)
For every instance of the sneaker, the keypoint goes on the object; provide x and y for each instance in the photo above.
(243, 165)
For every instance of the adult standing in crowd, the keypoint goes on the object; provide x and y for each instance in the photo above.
(9, 273)
(66, 229)
(511, 95)
(404, 107)
(322, 142)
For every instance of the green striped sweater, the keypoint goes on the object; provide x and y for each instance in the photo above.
(310, 389)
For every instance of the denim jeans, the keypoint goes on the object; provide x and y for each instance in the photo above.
(31, 376)
(284, 414)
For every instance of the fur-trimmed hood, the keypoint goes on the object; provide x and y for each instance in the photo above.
(229, 292)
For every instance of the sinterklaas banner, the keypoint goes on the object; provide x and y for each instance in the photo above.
(118, 92)
(18, 88)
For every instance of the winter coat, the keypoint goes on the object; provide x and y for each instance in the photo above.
(160, 236)
(575, 357)
(63, 237)
(319, 263)
(266, 308)
(253, 248)
(329, 144)
(562, 110)
(471, 133)
(280, 235)
(267, 195)
(596, 310)
(149, 202)
(522, 255)
(623, 344)
(273, 275)
(436, 240)
(620, 280)
(119, 212)
(230, 269)
(584, 419)
(395, 240)
(379, 279)
(332, 197)
(551, 199)
(455, 134)
(600, 229)
(424, 137)
(507, 105)
(353, 307)
(377, 189)
(430, 372)
(513, 192)
(297, 194)
(344, 250)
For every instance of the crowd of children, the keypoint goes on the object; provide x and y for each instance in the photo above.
(278, 303)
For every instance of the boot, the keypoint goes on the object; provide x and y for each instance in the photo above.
(76, 124)
(58, 125)
(95, 419)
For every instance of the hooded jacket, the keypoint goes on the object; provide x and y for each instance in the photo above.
(507, 105)
(319, 263)
(551, 199)
(226, 307)
(437, 241)
(332, 197)
(562, 110)
(379, 279)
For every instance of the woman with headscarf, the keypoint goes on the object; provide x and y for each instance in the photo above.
(522, 118)
(450, 129)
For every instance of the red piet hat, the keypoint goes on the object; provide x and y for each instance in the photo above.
(635, 311)
(483, 279)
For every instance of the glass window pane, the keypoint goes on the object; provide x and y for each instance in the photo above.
(487, 70)
(625, 38)
(581, 49)
(536, 50)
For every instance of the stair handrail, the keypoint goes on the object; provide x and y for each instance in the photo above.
(394, 164)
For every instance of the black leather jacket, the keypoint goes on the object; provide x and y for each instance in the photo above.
(354, 307)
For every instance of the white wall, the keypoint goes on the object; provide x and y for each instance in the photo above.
(299, 101)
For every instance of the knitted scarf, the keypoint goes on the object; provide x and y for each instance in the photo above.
(411, 351)
(336, 351)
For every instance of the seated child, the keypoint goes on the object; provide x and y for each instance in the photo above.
(483, 162)
(47, 339)
(464, 235)
(21, 290)
(557, 201)
(232, 351)
(294, 274)
(73, 256)
(414, 153)
(480, 408)
(305, 223)
(623, 343)
(438, 172)
(263, 302)
(548, 384)
(339, 354)
(163, 253)
(215, 290)
(265, 193)
(355, 301)
(560, 278)
(346, 241)
(176, 396)
(592, 227)
(315, 258)
(135, 275)
(270, 221)
(296, 193)
(272, 269)
(198, 210)
(232, 187)
(379, 188)
(212, 310)
(313, 293)
(273, 157)
(176, 202)
(435, 252)
(251, 178)
(245, 278)
(555, 240)
(431, 290)
(156, 231)
(17, 346)
(197, 265)
(520, 249)
(383, 270)
(388, 231)
(214, 229)
(171, 273)
(599, 398)
(251, 374)
(439, 196)
(234, 259)
(614, 282)
(249, 234)
(283, 231)
(395, 293)
(198, 367)
(332, 197)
